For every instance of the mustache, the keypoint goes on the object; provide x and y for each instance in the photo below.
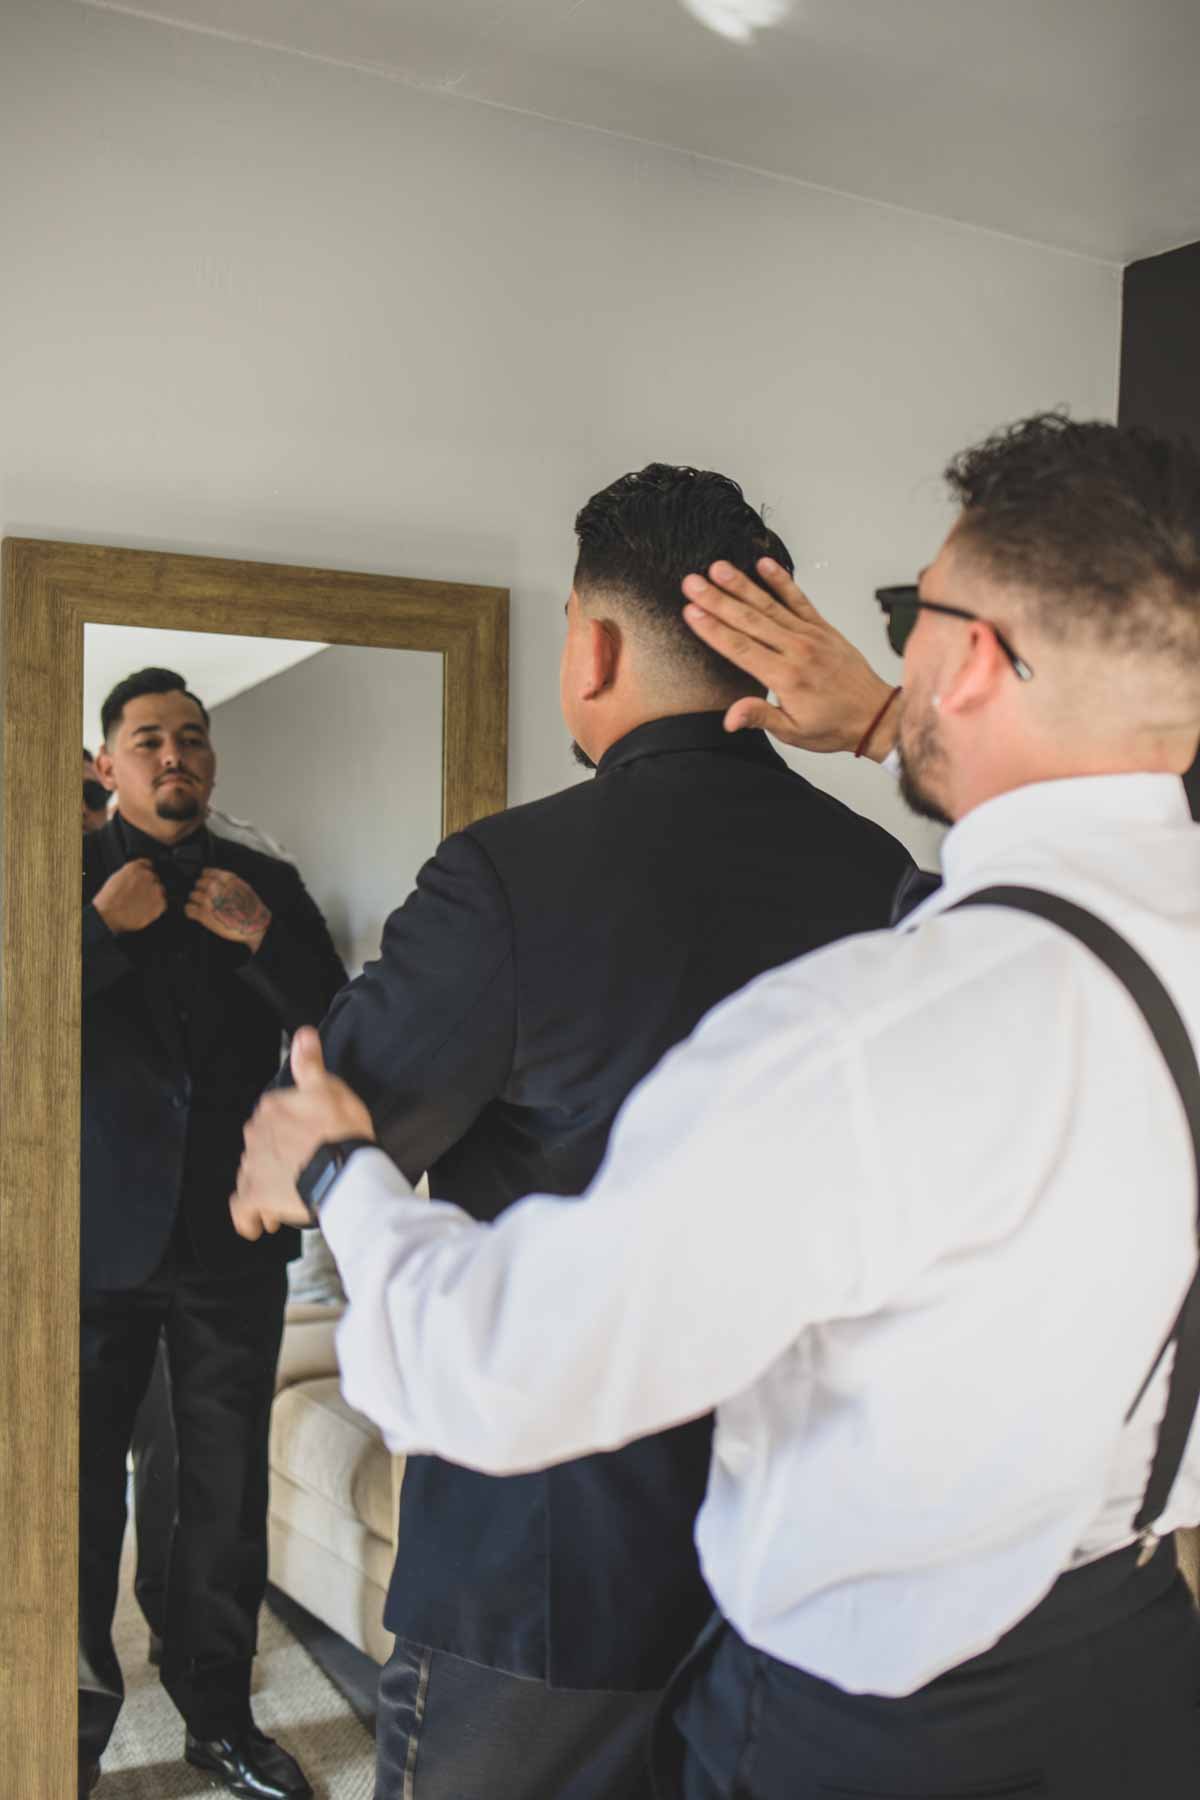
(175, 775)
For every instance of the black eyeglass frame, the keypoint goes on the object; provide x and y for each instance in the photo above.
(909, 595)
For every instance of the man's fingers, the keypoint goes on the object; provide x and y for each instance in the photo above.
(779, 600)
(755, 715)
(308, 1059)
(246, 1219)
(257, 1128)
(743, 652)
(776, 630)
(787, 591)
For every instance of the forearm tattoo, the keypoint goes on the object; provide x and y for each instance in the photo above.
(242, 910)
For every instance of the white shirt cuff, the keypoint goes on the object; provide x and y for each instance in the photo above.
(369, 1181)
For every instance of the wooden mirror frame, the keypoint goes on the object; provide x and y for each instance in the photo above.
(49, 592)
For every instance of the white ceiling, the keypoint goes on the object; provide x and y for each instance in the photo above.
(1071, 122)
(214, 666)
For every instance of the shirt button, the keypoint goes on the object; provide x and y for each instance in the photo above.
(179, 1101)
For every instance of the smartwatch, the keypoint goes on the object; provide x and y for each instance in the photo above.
(318, 1177)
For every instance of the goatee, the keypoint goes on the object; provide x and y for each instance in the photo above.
(178, 807)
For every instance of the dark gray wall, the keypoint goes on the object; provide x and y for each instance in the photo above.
(340, 760)
(1160, 363)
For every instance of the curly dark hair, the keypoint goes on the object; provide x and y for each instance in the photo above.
(1097, 524)
(146, 681)
(643, 533)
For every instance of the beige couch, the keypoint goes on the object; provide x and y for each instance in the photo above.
(335, 1489)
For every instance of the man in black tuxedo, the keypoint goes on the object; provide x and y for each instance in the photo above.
(196, 953)
(547, 959)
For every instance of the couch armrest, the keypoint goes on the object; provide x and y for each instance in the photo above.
(308, 1350)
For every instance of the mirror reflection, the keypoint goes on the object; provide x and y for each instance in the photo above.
(252, 810)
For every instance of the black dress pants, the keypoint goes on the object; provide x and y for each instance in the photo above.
(449, 1729)
(1092, 1697)
(222, 1335)
(155, 1492)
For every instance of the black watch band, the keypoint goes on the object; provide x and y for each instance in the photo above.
(318, 1177)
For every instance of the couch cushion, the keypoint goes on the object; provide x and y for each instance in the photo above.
(309, 1345)
(311, 1518)
(325, 1447)
(313, 1277)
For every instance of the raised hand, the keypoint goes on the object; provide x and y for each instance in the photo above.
(288, 1128)
(827, 691)
(132, 898)
(225, 904)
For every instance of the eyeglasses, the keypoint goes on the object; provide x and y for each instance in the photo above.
(902, 604)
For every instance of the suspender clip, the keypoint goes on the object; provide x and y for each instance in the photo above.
(1150, 1541)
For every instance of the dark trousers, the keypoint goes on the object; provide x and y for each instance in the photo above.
(155, 1492)
(1092, 1697)
(222, 1338)
(449, 1729)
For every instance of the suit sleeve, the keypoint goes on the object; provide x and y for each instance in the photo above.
(104, 961)
(425, 1035)
(296, 969)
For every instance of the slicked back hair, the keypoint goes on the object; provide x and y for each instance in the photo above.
(145, 681)
(1097, 524)
(643, 533)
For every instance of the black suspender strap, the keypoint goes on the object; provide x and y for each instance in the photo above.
(1171, 1035)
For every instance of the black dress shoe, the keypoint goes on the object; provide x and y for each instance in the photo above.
(154, 1655)
(251, 1764)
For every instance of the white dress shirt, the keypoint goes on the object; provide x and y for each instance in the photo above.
(912, 1213)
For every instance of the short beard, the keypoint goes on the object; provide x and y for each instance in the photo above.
(179, 808)
(926, 753)
(581, 756)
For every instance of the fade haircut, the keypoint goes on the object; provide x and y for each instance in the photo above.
(146, 681)
(1097, 524)
(643, 533)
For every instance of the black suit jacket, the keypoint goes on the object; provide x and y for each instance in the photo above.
(546, 960)
(162, 1129)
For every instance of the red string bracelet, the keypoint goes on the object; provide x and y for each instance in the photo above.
(873, 727)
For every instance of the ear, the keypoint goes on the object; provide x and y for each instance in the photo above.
(104, 768)
(974, 682)
(601, 657)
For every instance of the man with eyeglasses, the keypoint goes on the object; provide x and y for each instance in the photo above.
(917, 1214)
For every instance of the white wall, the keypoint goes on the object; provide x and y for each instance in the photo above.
(214, 666)
(258, 305)
(340, 759)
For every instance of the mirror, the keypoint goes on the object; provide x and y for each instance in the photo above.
(353, 720)
(332, 753)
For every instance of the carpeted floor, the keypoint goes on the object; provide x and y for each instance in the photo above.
(293, 1701)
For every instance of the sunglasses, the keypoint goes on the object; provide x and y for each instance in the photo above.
(902, 604)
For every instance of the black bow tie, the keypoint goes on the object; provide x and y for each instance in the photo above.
(914, 887)
(187, 855)
(178, 866)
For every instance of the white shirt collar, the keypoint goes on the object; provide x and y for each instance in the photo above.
(1050, 812)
